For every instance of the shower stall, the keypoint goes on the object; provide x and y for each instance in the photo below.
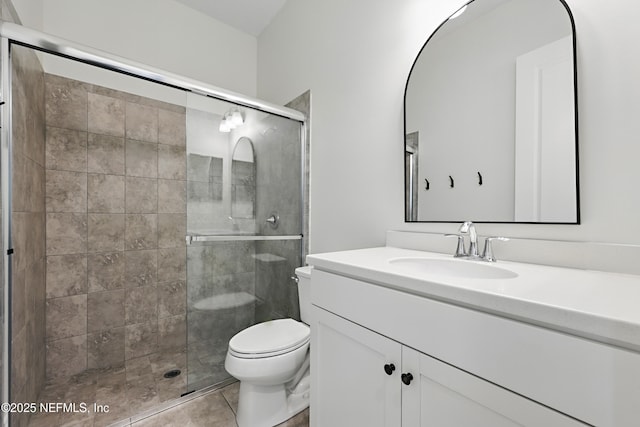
(146, 219)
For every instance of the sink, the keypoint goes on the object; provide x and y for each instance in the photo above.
(452, 268)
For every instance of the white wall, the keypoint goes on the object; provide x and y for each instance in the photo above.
(355, 57)
(161, 33)
(30, 13)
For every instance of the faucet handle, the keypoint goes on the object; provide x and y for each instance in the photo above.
(460, 251)
(487, 253)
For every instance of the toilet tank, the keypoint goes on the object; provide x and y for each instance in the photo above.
(304, 293)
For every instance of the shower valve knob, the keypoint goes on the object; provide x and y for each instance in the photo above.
(406, 378)
(389, 368)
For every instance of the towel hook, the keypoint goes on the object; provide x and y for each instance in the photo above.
(479, 178)
(426, 183)
(451, 183)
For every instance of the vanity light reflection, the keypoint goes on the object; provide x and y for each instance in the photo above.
(231, 120)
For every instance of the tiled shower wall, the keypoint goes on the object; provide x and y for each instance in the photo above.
(116, 222)
(28, 231)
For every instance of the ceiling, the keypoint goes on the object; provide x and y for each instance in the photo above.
(249, 16)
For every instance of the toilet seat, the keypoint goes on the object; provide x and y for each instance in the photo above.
(271, 338)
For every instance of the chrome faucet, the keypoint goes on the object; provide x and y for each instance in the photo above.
(467, 227)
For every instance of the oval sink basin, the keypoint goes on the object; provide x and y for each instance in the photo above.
(452, 268)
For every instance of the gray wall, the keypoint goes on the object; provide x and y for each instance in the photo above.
(116, 221)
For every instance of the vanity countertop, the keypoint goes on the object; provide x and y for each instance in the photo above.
(597, 305)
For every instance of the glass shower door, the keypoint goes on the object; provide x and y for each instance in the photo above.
(244, 227)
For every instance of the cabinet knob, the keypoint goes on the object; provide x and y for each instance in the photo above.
(406, 378)
(389, 368)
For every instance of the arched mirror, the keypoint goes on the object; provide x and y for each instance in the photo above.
(243, 180)
(490, 117)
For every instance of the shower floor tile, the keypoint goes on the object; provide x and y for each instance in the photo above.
(216, 409)
(138, 386)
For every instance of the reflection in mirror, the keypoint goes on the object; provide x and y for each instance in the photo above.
(492, 97)
(243, 180)
(207, 153)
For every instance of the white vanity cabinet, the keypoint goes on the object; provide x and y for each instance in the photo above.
(362, 378)
(350, 385)
(468, 368)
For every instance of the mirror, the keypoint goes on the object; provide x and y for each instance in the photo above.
(243, 180)
(490, 117)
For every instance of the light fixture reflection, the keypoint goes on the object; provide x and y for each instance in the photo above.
(231, 120)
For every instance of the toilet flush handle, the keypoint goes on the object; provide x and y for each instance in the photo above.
(295, 279)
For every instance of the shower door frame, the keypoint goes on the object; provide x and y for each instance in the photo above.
(11, 34)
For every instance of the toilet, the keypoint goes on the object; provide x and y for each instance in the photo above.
(271, 360)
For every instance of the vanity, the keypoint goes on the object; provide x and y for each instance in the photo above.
(402, 337)
(410, 338)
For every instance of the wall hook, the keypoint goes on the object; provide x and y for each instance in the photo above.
(451, 183)
(426, 183)
(479, 178)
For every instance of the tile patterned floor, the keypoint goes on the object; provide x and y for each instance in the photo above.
(134, 388)
(137, 387)
(215, 409)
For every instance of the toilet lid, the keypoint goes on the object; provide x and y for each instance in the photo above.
(270, 338)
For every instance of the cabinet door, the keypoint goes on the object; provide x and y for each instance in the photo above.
(441, 395)
(350, 386)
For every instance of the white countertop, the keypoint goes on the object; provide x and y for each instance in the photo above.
(596, 305)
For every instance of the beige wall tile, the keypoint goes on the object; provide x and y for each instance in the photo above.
(141, 340)
(105, 154)
(141, 122)
(105, 271)
(20, 350)
(66, 149)
(172, 264)
(172, 162)
(105, 193)
(141, 159)
(172, 298)
(66, 275)
(105, 310)
(172, 333)
(172, 230)
(105, 349)
(141, 231)
(172, 196)
(66, 357)
(66, 191)
(66, 317)
(141, 268)
(105, 232)
(141, 305)
(66, 106)
(66, 233)
(141, 195)
(105, 115)
(22, 226)
(172, 128)
(19, 302)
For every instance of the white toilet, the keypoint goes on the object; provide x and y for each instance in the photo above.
(271, 360)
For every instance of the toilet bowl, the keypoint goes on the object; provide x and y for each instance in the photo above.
(271, 361)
